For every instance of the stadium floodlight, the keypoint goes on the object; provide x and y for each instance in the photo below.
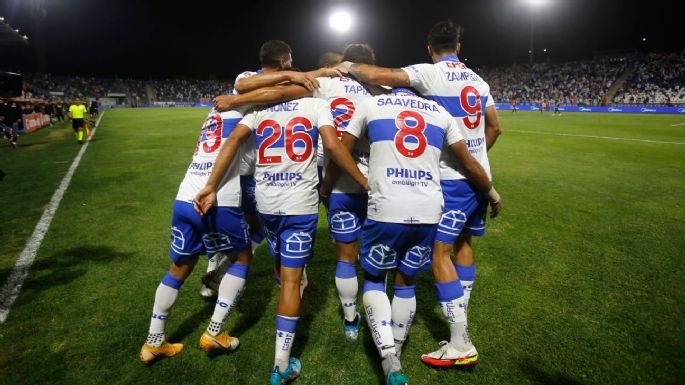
(644, 39)
(2, 18)
(340, 21)
(536, 3)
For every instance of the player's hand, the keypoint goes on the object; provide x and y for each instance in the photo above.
(223, 102)
(331, 73)
(344, 67)
(204, 200)
(495, 208)
(304, 80)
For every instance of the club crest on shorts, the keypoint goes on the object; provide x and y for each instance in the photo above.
(298, 243)
(382, 256)
(216, 242)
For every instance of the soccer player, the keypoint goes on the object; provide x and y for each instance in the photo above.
(275, 57)
(93, 111)
(77, 112)
(330, 59)
(407, 134)
(467, 98)
(347, 203)
(221, 230)
(285, 136)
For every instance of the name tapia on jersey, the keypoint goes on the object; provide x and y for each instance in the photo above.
(465, 95)
(286, 136)
(343, 95)
(407, 134)
(216, 128)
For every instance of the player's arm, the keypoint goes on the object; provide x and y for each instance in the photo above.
(492, 127)
(267, 95)
(475, 173)
(254, 82)
(341, 155)
(365, 73)
(206, 198)
(332, 172)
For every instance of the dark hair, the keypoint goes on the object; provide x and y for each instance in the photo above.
(359, 53)
(329, 59)
(271, 53)
(444, 36)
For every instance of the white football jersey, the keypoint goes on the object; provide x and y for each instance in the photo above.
(247, 152)
(407, 134)
(216, 128)
(465, 95)
(286, 136)
(343, 95)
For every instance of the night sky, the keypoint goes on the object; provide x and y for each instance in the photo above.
(203, 39)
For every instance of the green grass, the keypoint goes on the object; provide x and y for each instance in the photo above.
(580, 281)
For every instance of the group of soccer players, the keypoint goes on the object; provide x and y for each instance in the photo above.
(406, 182)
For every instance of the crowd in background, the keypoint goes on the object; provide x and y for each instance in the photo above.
(653, 79)
(571, 83)
(135, 92)
(658, 79)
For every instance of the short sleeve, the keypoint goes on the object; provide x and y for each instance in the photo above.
(325, 88)
(250, 119)
(357, 124)
(242, 75)
(323, 114)
(421, 76)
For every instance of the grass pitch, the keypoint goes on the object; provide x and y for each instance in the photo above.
(580, 281)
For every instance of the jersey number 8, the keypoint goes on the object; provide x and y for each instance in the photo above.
(411, 124)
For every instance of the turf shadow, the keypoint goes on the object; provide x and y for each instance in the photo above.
(63, 267)
(191, 324)
(252, 305)
(541, 377)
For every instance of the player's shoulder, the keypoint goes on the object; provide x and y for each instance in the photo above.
(245, 74)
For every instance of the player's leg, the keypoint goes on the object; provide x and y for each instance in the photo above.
(465, 265)
(231, 237)
(186, 246)
(415, 258)
(377, 257)
(345, 216)
(459, 203)
(295, 242)
(403, 309)
(155, 344)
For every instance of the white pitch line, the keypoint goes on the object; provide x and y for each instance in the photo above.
(595, 137)
(678, 124)
(10, 290)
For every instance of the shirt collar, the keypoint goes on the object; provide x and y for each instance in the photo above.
(449, 58)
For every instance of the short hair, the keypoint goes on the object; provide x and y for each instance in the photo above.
(359, 53)
(329, 59)
(272, 51)
(444, 36)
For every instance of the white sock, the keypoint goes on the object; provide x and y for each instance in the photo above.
(378, 316)
(212, 262)
(348, 287)
(230, 290)
(467, 286)
(455, 313)
(403, 311)
(285, 336)
(165, 296)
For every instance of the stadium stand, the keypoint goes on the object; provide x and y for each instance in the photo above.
(655, 79)
(658, 79)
